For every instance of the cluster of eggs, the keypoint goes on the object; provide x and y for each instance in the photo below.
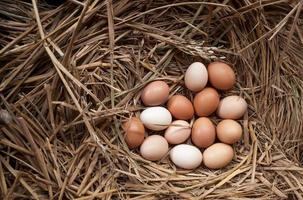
(202, 131)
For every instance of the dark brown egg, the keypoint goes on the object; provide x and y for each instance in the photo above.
(134, 132)
(155, 93)
(203, 132)
(206, 102)
(221, 75)
(180, 107)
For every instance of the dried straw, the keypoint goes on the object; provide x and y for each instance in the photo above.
(70, 74)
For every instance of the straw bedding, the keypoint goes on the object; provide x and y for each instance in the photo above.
(70, 74)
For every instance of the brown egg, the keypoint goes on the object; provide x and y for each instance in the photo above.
(154, 147)
(229, 131)
(134, 132)
(221, 75)
(203, 132)
(155, 93)
(206, 102)
(218, 155)
(180, 107)
(231, 107)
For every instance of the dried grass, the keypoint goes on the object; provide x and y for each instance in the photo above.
(70, 74)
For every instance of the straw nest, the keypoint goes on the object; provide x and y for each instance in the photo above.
(71, 74)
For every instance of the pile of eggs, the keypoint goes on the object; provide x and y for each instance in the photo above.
(200, 134)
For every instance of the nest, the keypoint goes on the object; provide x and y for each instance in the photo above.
(70, 74)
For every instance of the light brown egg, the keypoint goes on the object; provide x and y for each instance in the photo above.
(180, 107)
(218, 155)
(206, 102)
(134, 132)
(154, 147)
(203, 132)
(178, 132)
(221, 75)
(155, 93)
(229, 131)
(196, 77)
(232, 107)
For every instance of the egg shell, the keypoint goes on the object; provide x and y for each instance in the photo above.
(154, 147)
(155, 93)
(229, 131)
(206, 102)
(178, 132)
(221, 75)
(134, 132)
(203, 132)
(186, 156)
(232, 107)
(156, 118)
(180, 107)
(218, 155)
(196, 77)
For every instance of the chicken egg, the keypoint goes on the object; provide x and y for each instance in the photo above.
(180, 107)
(232, 107)
(134, 132)
(203, 132)
(186, 156)
(229, 131)
(155, 93)
(177, 132)
(218, 155)
(196, 77)
(154, 147)
(206, 102)
(221, 75)
(156, 118)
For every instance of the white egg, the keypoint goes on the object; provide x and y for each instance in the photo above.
(186, 156)
(196, 77)
(156, 118)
